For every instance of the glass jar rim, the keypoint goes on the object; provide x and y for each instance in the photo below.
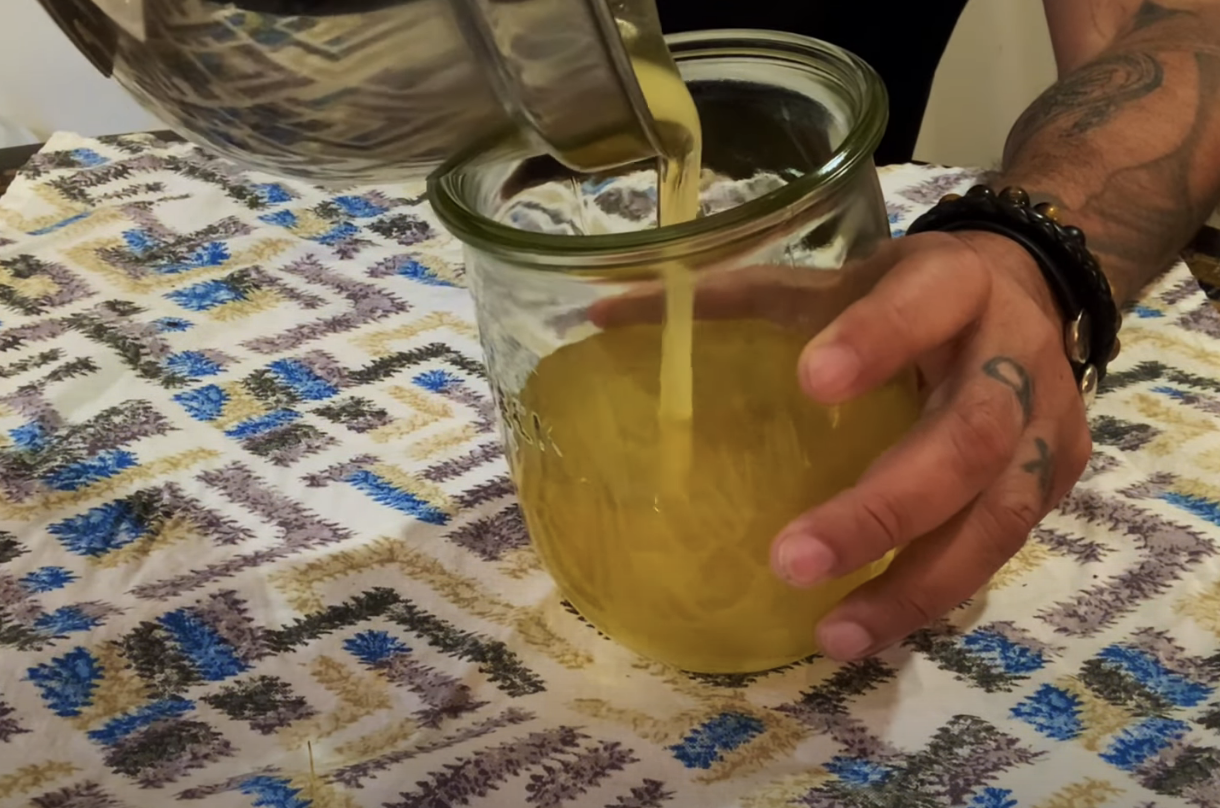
(870, 110)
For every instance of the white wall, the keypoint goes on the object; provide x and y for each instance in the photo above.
(999, 60)
(45, 85)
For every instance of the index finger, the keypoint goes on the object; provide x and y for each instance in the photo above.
(929, 298)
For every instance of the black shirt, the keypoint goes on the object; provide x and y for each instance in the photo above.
(902, 39)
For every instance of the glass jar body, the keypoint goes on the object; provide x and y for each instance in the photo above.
(660, 533)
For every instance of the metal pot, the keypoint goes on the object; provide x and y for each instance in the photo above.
(377, 90)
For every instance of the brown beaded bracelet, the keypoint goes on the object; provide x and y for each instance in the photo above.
(1072, 272)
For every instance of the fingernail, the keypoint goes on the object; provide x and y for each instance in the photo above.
(803, 560)
(831, 370)
(845, 642)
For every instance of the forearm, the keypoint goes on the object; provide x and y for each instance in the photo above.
(1128, 144)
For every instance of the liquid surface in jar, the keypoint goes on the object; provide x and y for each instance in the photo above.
(680, 573)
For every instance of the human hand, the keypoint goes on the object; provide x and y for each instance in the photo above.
(1003, 436)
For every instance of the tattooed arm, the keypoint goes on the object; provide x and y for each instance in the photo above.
(1127, 142)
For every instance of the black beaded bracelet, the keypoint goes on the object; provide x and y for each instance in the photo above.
(1081, 290)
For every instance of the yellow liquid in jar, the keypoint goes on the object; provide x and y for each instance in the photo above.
(655, 514)
(681, 573)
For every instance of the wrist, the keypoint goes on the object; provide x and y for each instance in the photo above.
(1064, 201)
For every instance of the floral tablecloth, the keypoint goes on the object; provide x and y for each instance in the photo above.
(259, 547)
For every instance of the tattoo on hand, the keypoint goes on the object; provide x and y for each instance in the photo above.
(1044, 467)
(1010, 373)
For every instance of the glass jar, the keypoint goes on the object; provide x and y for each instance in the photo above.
(659, 532)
